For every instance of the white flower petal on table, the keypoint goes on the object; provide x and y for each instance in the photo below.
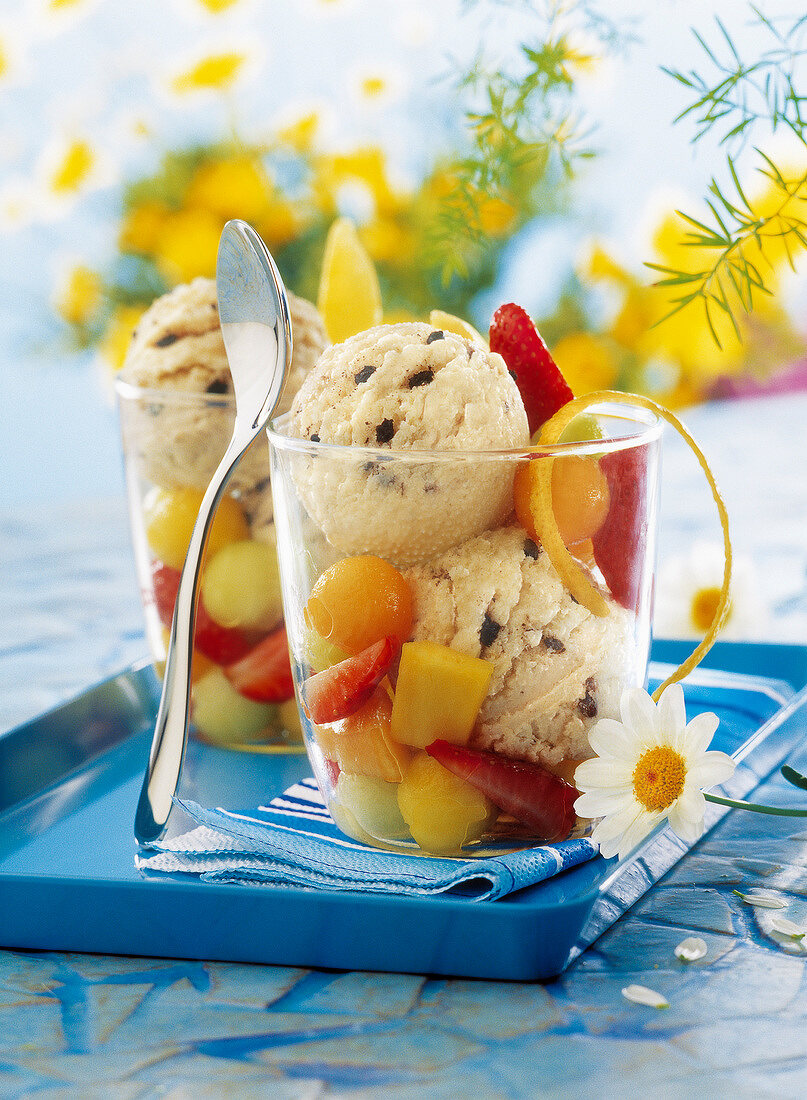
(761, 899)
(787, 927)
(643, 995)
(691, 949)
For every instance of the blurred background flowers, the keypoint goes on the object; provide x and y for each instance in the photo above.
(459, 136)
(487, 150)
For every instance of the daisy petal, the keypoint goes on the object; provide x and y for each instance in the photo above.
(610, 738)
(602, 775)
(700, 731)
(638, 713)
(688, 831)
(691, 949)
(691, 805)
(671, 711)
(713, 767)
(644, 824)
(599, 804)
(642, 995)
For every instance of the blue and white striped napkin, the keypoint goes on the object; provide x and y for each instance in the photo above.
(294, 842)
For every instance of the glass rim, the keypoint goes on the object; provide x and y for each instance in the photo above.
(152, 395)
(651, 423)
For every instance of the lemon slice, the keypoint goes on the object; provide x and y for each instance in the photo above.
(570, 572)
(349, 296)
(438, 318)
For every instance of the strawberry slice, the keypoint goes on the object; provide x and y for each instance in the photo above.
(340, 690)
(527, 792)
(264, 674)
(542, 387)
(221, 644)
(619, 545)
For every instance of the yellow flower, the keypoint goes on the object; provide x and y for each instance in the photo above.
(5, 63)
(141, 227)
(388, 242)
(72, 168)
(116, 338)
(216, 7)
(79, 296)
(373, 86)
(188, 244)
(279, 223)
(236, 187)
(367, 166)
(216, 72)
(586, 361)
(496, 216)
(61, 5)
(300, 134)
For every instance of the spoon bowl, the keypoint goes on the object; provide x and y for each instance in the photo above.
(256, 328)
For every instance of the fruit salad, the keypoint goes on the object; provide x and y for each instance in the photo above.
(464, 600)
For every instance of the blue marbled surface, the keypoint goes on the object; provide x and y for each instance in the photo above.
(736, 1024)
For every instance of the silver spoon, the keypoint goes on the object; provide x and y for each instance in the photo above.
(255, 324)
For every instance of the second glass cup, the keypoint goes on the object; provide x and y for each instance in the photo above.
(242, 695)
(448, 668)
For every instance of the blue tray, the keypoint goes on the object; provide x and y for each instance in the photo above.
(69, 783)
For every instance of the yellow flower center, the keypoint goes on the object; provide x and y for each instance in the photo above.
(658, 778)
(704, 605)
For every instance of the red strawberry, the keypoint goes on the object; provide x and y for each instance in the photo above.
(619, 545)
(526, 791)
(340, 690)
(265, 673)
(542, 387)
(221, 644)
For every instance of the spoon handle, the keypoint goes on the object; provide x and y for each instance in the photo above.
(171, 727)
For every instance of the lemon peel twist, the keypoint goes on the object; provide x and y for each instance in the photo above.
(574, 577)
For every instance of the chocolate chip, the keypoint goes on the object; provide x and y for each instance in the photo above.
(218, 385)
(429, 487)
(385, 431)
(553, 643)
(489, 631)
(167, 340)
(438, 334)
(588, 704)
(531, 549)
(422, 378)
(314, 437)
(364, 374)
(513, 375)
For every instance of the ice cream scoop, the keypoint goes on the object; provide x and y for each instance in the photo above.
(256, 329)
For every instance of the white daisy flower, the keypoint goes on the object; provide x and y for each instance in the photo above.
(649, 767)
(688, 589)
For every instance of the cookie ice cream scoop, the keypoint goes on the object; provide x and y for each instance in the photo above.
(557, 668)
(177, 349)
(399, 390)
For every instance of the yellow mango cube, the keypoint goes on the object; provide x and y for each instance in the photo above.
(443, 812)
(438, 694)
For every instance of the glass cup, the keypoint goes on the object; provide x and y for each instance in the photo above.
(459, 621)
(172, 444)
